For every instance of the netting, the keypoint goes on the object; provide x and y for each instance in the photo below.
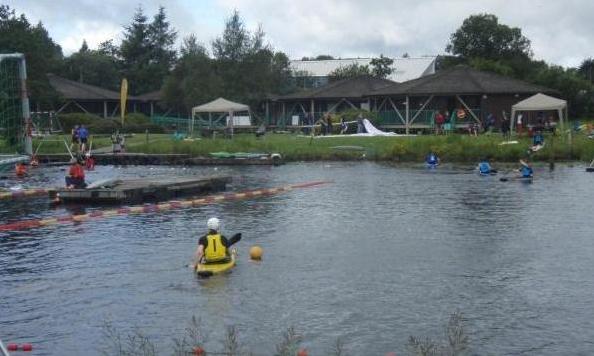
(11, 110)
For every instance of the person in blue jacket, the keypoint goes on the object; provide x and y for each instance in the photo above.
(432, 159)
(485, 168)
(538, 139)
(525, 169)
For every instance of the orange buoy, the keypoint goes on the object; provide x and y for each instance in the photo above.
(256, 253)
(302, 352)
(198, 351)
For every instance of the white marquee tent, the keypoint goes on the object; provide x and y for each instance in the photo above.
(540, 102)
(219, 106)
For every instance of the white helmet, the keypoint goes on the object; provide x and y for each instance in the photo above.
(213, 224)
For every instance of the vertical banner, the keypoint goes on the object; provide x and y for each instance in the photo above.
(123, 98)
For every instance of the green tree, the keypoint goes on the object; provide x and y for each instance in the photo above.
(586, 69)
(161, 39)
(349, 71)
(381, 67)
(135, 53)
(43, 55)
(483, 36)
(193, 81)
(93, 67)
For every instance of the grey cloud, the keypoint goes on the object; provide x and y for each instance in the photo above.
(561, 32)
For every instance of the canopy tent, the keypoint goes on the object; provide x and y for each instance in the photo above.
(219, 105)
(540, 102)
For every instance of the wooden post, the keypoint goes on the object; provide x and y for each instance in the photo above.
(312, 109)
(152, 108)
(267, 118)
(407, 115)
(105, 109)
(283, 117)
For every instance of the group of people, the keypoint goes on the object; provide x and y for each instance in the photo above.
(484, 168)
(326, 124)
(118, 142)
(432, 160)
(79, 138)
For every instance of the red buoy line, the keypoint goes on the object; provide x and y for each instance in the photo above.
(23, 193)
(153, 208)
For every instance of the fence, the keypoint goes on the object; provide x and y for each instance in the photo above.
(11, 110)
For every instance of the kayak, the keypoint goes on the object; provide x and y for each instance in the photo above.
(209, 269)
(517, 179)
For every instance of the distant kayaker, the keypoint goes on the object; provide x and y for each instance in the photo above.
(537, 141)
(76, 175)
(212, 247)
(525, 169)
(432, 159)
(485, 168)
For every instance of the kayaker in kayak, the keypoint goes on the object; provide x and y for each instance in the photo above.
(525, 169)
(485, 168)
(213, 247)
(432, 159)
(76, 175)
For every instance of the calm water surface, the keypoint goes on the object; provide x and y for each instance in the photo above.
(382, 253)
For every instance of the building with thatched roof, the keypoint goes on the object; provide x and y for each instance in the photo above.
(465, 95)
(351, 93)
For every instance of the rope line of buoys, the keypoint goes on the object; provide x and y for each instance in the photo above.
(153, 208)
(23, 193)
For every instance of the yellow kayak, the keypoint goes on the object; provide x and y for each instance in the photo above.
(209, 269)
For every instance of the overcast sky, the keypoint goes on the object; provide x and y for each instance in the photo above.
(562, 32)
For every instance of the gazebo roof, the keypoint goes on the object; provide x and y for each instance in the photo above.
(220, 105)
(72, 90)
(540, 102)
(356, 87)
(462, 80)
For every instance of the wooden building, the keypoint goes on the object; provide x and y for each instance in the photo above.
(341, 95)
(465, 95)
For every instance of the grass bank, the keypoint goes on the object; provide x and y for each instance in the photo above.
(452, 148)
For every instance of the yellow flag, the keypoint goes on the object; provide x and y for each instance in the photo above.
(123, 98)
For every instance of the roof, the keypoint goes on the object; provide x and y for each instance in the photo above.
(156, 95)
(356, 87)
(463, 80)
(70, 89)
(220, 105)
(403, 68)
(540, 102)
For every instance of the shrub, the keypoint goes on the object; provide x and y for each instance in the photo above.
(136, 119)
(68, 121)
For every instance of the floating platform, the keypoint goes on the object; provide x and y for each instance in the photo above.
(163, 159)
(130, 191)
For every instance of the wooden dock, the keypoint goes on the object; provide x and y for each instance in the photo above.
(131, 191)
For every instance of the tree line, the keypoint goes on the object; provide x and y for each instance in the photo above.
(240, 65)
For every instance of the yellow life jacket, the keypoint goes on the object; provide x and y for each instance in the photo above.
(215, 250)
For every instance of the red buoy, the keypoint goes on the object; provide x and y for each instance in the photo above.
(198, 351)
(27, 347)
(302, 352)
(12, 347)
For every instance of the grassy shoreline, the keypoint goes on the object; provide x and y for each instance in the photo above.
(452, 148)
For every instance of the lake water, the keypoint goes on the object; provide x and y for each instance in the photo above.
(382, 253)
